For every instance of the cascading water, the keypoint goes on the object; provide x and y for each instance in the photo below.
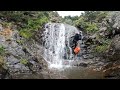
(57, 43)
(54, 44)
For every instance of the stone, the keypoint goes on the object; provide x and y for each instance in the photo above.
(11, 60)
(83, 64)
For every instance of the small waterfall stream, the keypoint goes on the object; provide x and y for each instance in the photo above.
(57, 37)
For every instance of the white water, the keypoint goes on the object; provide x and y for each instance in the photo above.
(55, 44)
(55, 36)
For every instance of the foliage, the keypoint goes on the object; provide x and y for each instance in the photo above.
(102, 48)
(6, 24)
(32, 26)
(54, 17)
(26, 21)
(25, 33)
(70, 19)
(91, 27)
(24, 61)
(20, 41)
(89, 20)
(2, 50)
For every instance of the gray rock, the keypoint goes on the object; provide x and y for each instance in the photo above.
(114, 21)
(14, 44)
(11, 60)
(18, 68)
(114, 50)
(83, 64)
(17, 51)
(86, 56)
(1, 28)
(2, 39)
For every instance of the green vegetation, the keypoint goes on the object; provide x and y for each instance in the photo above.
(32, 26)
(20, 41)
(91, 27)
(28, 22)
(70, 20)
(6, 24)
(24, 61)
(2, 50)
(102, 48)
(89, 21)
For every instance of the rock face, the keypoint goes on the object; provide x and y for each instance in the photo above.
(114, 49)
(20, 56)
(112, 69)
(114, 22)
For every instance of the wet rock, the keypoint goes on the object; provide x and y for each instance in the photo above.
(83, 64)
(85, 56)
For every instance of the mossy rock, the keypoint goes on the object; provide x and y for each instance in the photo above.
(24, 61)
(101, 48)
(20, 41)
(2, 50)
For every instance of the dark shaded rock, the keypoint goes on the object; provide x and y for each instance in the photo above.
(83, 64)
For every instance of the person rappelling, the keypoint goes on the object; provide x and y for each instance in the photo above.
(75, 45)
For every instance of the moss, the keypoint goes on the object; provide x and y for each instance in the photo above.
(25, 33)
(105, 44)
(101, 48)
(20, 41)
(2, 50)
(24, 61)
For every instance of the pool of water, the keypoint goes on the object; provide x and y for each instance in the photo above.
(76, 73)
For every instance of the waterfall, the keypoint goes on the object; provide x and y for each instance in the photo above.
(57, 43)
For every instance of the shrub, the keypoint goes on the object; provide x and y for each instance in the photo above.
(92, 27)
(32, 26)
(101, 48)
(25, 33)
